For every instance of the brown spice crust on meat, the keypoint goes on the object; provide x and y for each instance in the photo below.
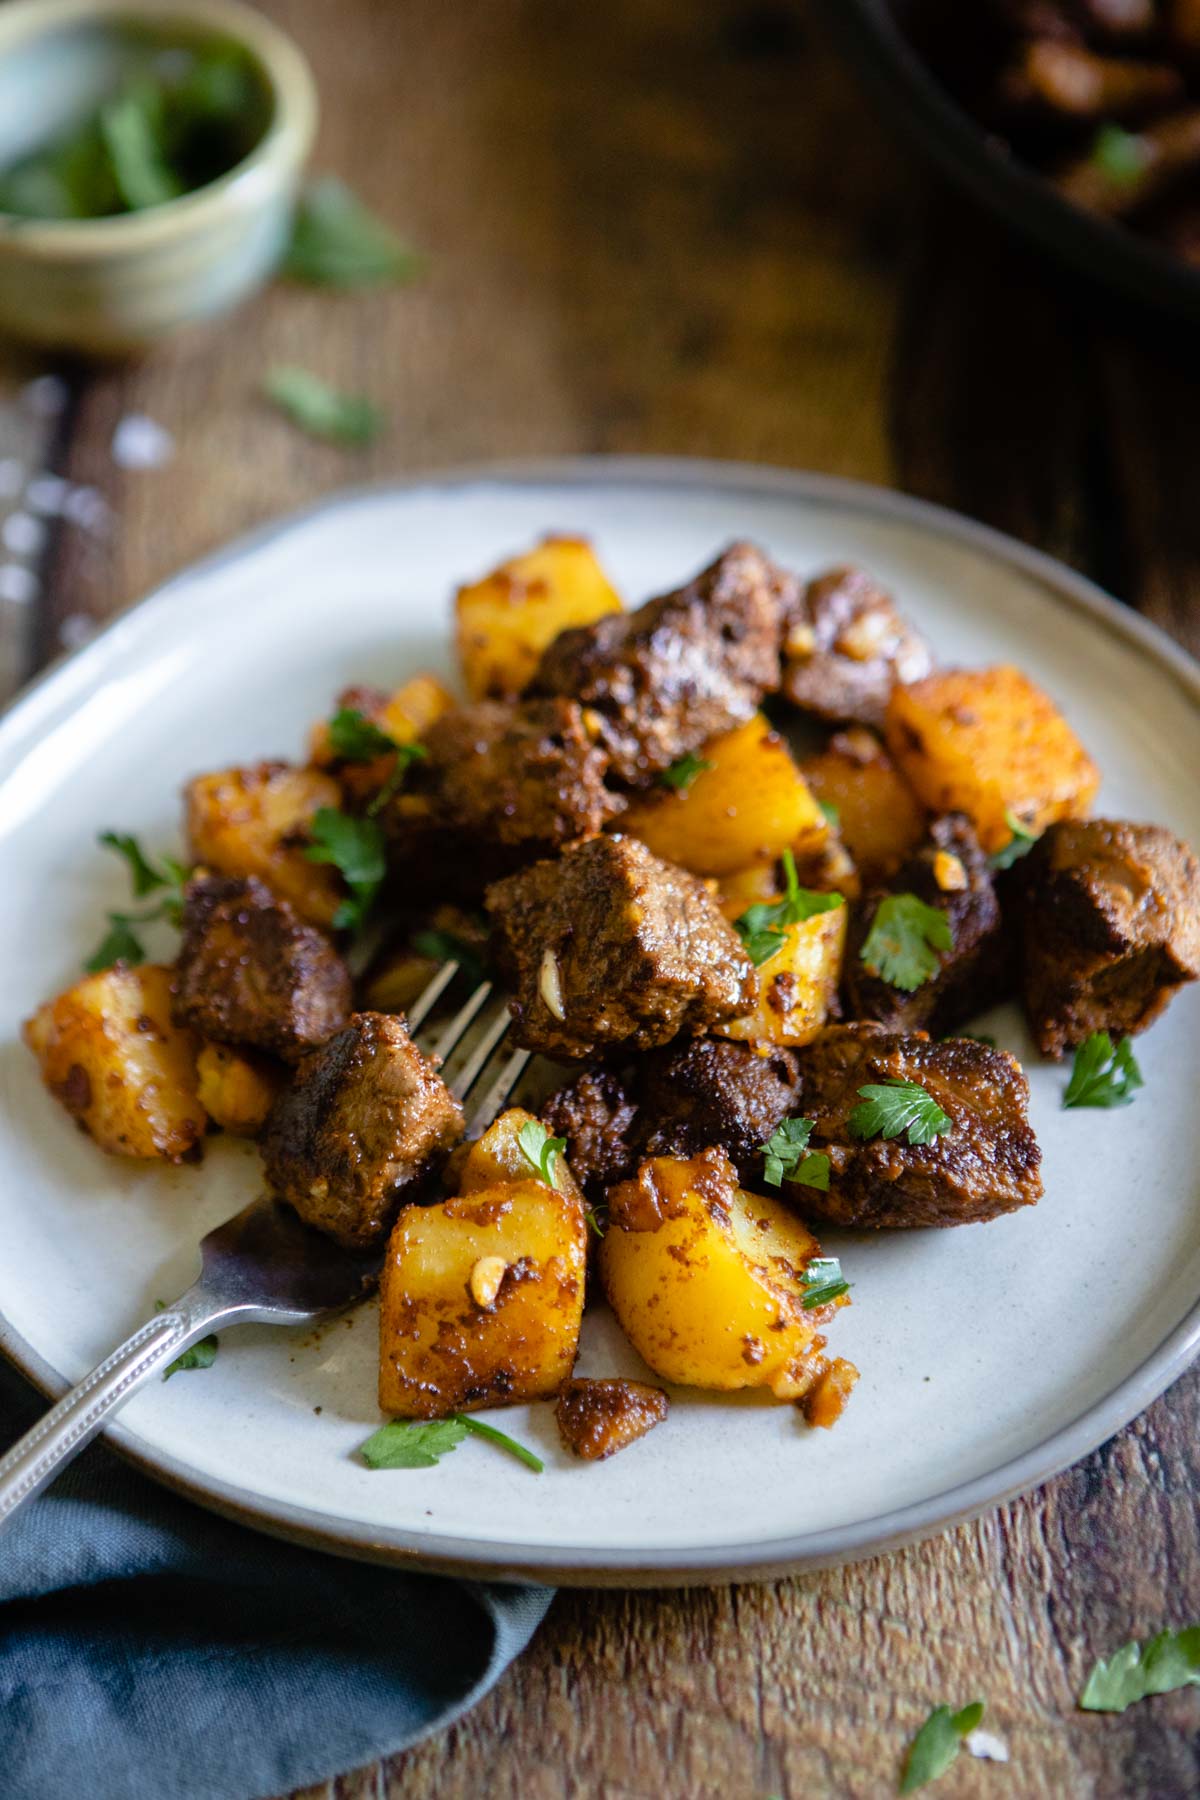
(598, 1418)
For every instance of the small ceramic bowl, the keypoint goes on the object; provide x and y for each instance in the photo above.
(117, 284)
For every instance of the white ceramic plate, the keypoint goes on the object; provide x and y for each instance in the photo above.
(991, 1357)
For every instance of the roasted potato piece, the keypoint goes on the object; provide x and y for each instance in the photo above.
(598, 1418)
(481, 1299)
(255, 821)
(707, 1281)
(879, 818)
(797, 987)
(505, 621)
(497, 1156)
(237, 1089)
(109, 1050)
(749, 805)
(988, 742)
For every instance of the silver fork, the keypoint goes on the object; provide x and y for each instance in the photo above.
(262, 1267)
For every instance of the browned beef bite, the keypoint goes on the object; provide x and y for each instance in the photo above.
(595, 1115)
(250, 972)
(845, 648)
(949, 872)
(598, 1418)
(1111, 927)
(663, 679)
(712, 1091)
(610, 945)
(499, 785)
(363, 1121)
(987, 1164)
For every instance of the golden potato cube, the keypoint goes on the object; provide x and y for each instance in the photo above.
(987, 742)
(481, 1299)
(497, 1156)
(706, 1281)
(879, 818)
(505, 621)
(797, 987)
(237, 1089)
(749, 805)
(405, 715)
(109, 1050)
(254, 821)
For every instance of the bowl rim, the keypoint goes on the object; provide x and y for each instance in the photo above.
(282, 149)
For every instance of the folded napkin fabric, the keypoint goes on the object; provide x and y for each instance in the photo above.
(151, 1651)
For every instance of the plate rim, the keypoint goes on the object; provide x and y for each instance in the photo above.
(709, 1564)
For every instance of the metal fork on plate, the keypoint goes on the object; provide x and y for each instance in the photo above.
(264, 1266)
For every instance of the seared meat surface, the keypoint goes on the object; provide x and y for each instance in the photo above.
(595, 1115)
(846, 647)
(598, 1418)
(1111, 928)
(364, 1119)
(250, 972)
(609, 945)
(712, 1091)
(949, 872)
(988, 1164)
(680, 669)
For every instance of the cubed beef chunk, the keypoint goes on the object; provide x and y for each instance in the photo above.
(251, 972)
(845, 648)
(499, 786)
(595, 1115)
(1111, 927)
(609, 945)
(951, 873)
(663, 679)
(598, 1418)
(366, 1116)
(987, 1164)
(712, 1092)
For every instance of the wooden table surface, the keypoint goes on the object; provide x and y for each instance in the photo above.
(656, 226)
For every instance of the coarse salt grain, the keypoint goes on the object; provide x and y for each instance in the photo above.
(23, 534)
(76, 629)
(986, 1746)
(141, 443)
(45, 397)
(46, 494)
(17, 584)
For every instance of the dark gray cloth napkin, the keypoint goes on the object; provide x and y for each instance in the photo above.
(151, 1651)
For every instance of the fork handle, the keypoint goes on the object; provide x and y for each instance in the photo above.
(36, 1458)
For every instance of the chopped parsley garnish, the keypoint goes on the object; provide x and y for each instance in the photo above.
(356, 848)
(1159, 1666)
(763, 928)
(356, 738)
(937, 1744)
(121, 943)
(322, 410)
(904, 940)
(201, 1355)
(596, 1219)
(337, 242)
(894, 1106)
(833, 816)
(823, 1282)
(540, 1149)
(681, 774)
(1019, 844)
(1118, 154)
(788, 1158)
(421, 1443)
(1103, 1074)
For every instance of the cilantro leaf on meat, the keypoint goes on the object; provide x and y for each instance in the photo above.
(895, 1106)
(356, 848)
(785, 1156)
(763, 928)
(904, 940)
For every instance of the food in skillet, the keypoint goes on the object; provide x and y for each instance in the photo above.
(1101, 96)
(746, 966)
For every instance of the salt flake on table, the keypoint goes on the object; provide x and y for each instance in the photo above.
(17, 584)
(23, 534)
(87, 508)
(45, 397)
(141, 443)
(45, 495)
(75, 630)
(986, 1746)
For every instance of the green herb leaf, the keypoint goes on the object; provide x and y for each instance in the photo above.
(1019, 844)
(596, 1219)
(1166, 1662)
(823, 1282)
(763, 928)
(356, 738)
(406, 755)
(785, 1158)
(501, 1438)
(443, 946)
(1120, 155)
(356, 848)
(1103, 1075)
(120, 944)
(833, 817)
(540, 1149)
(132, 128)
(144, 877)
(896, 1106)
(201, 1355)
(937, 1744)
(416, 1444)
(320, 409)
(903, 942)
(681, 774)
(336, 242)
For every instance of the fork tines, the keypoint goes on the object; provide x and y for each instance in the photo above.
(469, 1044)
